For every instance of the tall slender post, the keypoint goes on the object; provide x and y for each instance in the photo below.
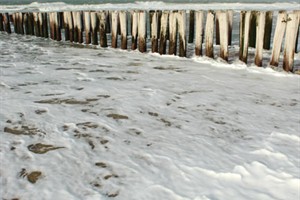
(223, 27)
(298, 31)
(154, 33)
(66, 26)
(199, 33)
(40, 19)
(278, 37)
(114, 29)
(159, 14)
(7, 23)
(217, 16)
(94, 26)
(192, 26)
(20, 23)
(57, 26)
(45, 25)
(260, 30)
(230, 22)
(123, 29)
(163, 32)
(142, 31)
(245, 18)
(290, 40)
(181, 18)
(31, 23)
(252, 33)
(27, 31)
(102, 19)
(209, 34)
(268, 30)
(69, 26)
(87, 26)
(36, 24)
(134, 29)
(1, 23)
(173, 32)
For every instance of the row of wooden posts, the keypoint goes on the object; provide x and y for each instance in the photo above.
(255, 30)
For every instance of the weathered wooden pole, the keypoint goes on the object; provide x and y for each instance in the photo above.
(15, 22)
(31, 23)
(66, 26)
(154, 31)
(181, 19)
(217, 16)
(69, 26)
(40, 19)
(230, 22)
(7, 23)
(199, 33)
(173, 32)
(192, 26)
(278, 37)
(45, 25)
(209, 34)
(1, 23)
(36, 24)
(77, 18)
(123, 29)
(252, 33)
(290, 40)
(268, 30)
(260, 30)
(134, 29)
(245, 18)
(159, 14)
(27, 31)
(163, 32)
(94, 26)
(102, 29)
(114, 29)
(21, 23)
(298, 31)
(108, 21)
(223, 27)
(87, 27)
(57, 26)
(142, 31)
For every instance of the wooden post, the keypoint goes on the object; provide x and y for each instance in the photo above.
(159, 14)
(66, 26)
(45, 25)
(173, 32)
(142, 31)
(230, 22)
(134, 29)
(268, 30)
(114, 29)
(40, 19)
(108, 22)
(27, 31)
(223, 27)
(278, 37)
(20, 23)
(199, 33)
(209, 34)
(260, 30)
(163, 32)
(14, 18)
(298, 29)
(103, 23)
(154, 33)
(123, 29)
(7, 23)
(94, 26)
(217, 16)
(290, 40)
(252, 33)
(245, 18)
(78, 37)
(69, 26)
(192, 26)
(36, 24)
(181, 18)
(57, 26)
(1, 23)
(87, 26)
(31, 23)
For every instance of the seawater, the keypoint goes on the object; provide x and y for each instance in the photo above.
(18, 2)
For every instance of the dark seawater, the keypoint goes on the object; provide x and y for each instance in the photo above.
(18, 2)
